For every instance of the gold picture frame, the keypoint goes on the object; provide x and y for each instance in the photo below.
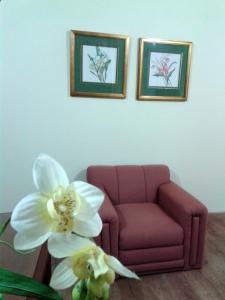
(163, 70)
(92, 52)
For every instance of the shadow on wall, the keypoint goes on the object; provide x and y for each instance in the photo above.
(68, 61)
(81, 176)
(174, 177)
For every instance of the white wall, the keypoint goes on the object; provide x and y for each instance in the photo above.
(40, 116)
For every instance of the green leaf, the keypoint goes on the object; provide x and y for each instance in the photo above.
(4, 226)
(90, 57)
(158, 75)
(1, 297)
(170, 73)
(106, 67)
(98, 51)
(173, 63)
(16, 284)
(94, 74)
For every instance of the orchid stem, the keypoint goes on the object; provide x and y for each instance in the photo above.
(4, 226)
(12, 248)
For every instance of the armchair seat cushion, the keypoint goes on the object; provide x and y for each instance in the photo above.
(146, 225)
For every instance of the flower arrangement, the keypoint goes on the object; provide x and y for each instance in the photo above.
(65, 215)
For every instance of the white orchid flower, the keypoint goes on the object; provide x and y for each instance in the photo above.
(83, 263)
(57, 209)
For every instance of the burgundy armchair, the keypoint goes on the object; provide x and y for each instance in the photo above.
(149, 223)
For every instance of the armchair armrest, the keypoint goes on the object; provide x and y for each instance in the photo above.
(107, 211)
(108, 239)
(191, 214)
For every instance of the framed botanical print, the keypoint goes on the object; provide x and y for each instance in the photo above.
(98, 64)
(163, 70)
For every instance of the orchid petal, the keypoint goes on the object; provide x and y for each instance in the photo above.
(93, 195)
(62, 245)
(48, 174)
(88, 228)
(116, 265)
(98, 264)
(25, 241)
(63, 276)
(85, 211)
(30, 215)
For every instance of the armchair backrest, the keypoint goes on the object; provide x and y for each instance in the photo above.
(129, 184)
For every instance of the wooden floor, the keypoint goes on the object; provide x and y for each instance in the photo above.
(205, 284)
